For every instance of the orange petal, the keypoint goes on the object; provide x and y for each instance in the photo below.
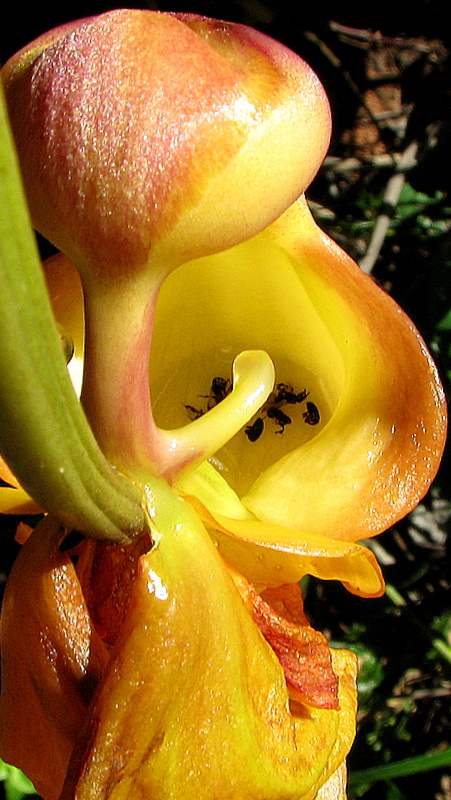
(7, 475)
(13, 499)
(193, 696)
(17, 501)
(50, 661)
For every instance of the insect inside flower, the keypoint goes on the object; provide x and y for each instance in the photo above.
(219, 389)
(312, 415)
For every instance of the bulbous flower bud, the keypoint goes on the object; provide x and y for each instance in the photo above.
(156, 138)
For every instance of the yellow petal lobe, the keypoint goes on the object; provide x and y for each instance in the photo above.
(377, 455)
(332, 334)
(272, 555)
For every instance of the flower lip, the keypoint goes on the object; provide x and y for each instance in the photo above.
(331, 331)
(256, 290)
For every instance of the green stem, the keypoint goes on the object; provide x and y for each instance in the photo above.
(399, 769)
(44, 435)
(443, 649)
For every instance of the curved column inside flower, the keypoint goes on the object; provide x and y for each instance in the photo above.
(253, 380)
(116, 391)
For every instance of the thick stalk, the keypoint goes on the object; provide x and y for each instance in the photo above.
(116, 392)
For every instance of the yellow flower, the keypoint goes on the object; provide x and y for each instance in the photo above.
(274, 406)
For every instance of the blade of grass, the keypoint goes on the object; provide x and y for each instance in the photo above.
(403, 768)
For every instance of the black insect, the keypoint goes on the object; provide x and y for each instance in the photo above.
(280, 417)
(282, 395)
(219, 389)
(312, 415)
(254, 431)
(286, 395)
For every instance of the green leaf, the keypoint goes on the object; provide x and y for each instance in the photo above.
(16, 784)
(44, 435)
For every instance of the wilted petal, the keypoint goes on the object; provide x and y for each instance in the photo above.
(303, 652)
(51, 660)
(335, 786)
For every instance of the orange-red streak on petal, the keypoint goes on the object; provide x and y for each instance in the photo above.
(303, 652)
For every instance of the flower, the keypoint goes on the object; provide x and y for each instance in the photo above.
(272, 404)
